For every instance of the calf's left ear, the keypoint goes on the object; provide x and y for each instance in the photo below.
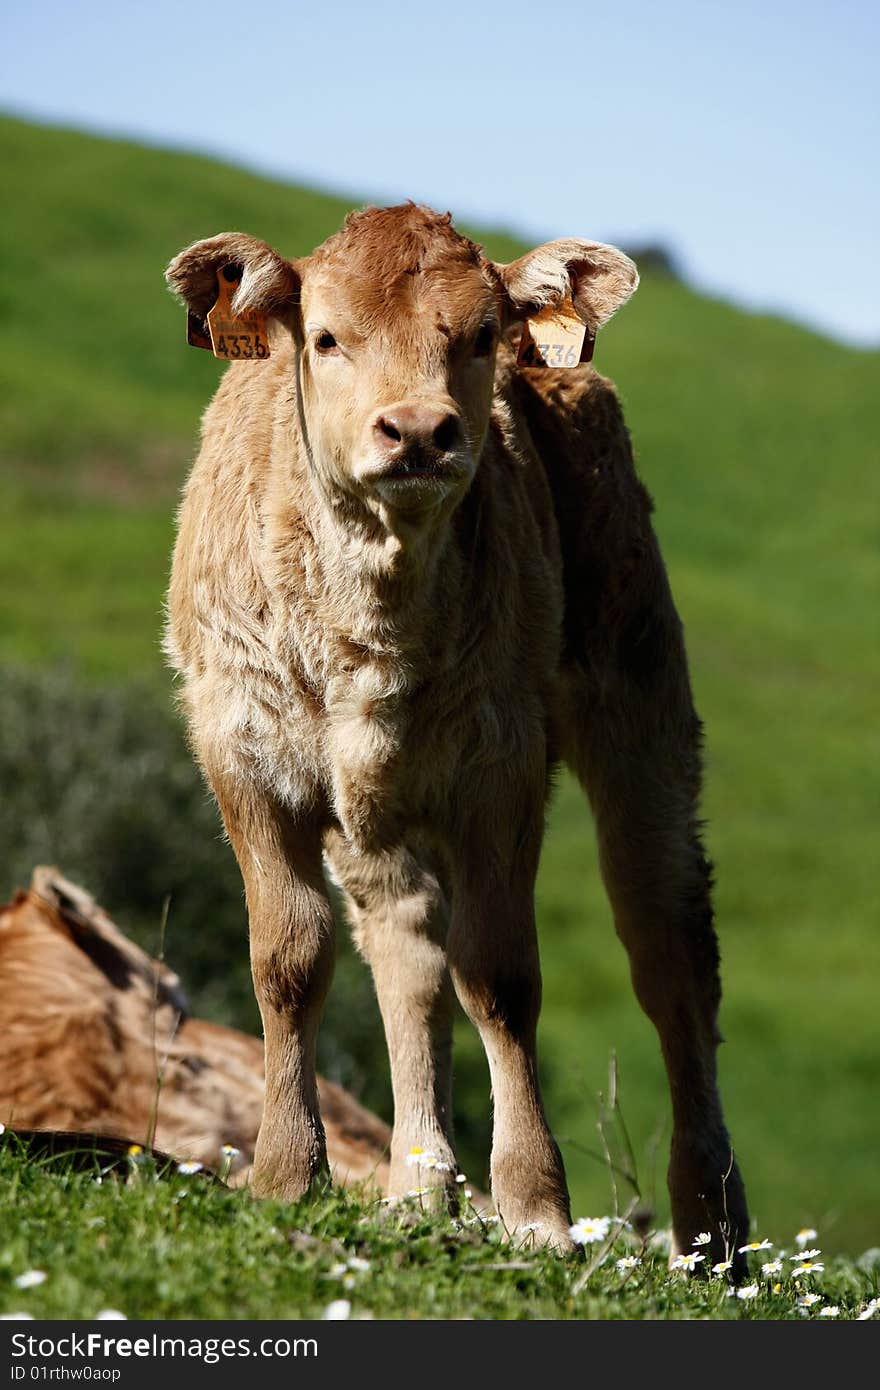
(269, 283)
(599, 279)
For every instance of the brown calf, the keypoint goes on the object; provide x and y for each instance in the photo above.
(409, 580)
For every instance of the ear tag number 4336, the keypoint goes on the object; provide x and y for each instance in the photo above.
(235, 337)
(555, 337)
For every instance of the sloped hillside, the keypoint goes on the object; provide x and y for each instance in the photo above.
(758, 442)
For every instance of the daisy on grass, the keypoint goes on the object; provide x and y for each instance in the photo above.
(869, 1310)
(337, 1311)
(628, 1262)
(805, 1255)
(703, 1238)
(756, 1245)
(722, 1266)
(808, 1300)
(589, 1230)
(358, 1265)
(804, 1237)
(808, 1267)
(748, 1291)
(425, 1158)
(830, 1310)
(189, 1167)
(687, 1262)
(771, 1267)
(30, 1279)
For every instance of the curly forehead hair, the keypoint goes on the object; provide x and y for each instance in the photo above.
(406, 239)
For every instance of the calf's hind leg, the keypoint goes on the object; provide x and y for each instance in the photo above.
(638, 756)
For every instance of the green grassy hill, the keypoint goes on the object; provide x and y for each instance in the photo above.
(756, 439)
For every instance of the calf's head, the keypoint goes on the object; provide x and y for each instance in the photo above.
(396, 321)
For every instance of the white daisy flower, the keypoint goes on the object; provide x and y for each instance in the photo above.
(805, 1255)
(771, 1267)
(589, 1230)
(869, 1310)
(748, 1291)
(756, 1245)
(229, 1151)
(808, 1267)
(628, 1262)
(722, 1266)
(704, 1238)
(358, 1265)
(687, 1262)
(111, 1315)
(830, 1310)
(189, 1167)
(337, 1311)
(30, 1279)
(808, 1300)
(425, 1158)
(804, 1237)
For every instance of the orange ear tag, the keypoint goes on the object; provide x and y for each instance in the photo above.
(235, 337)
(555, 337)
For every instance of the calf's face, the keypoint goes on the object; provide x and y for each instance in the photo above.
(396, 321)
(399, 327)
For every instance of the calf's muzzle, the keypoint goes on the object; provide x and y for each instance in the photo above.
(415, 431)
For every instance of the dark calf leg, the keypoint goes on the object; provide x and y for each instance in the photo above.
(637, 753)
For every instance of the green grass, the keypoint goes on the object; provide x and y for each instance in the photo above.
(183, 1248)
(757, 440)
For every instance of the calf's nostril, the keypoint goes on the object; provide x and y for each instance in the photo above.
(389, 429)
(446, 433)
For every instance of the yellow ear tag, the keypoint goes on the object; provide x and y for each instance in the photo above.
(235, 337)
(555, 337)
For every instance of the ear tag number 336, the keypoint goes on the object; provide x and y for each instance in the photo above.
(555, 337)
(235, 337)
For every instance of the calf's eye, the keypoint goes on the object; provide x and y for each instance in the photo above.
(484, 341)
(325, 343)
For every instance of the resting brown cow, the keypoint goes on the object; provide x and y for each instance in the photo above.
(96, 1038)
(410, 579)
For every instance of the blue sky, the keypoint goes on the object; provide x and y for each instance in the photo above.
(742, 135)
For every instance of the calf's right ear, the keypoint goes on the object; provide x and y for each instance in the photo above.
(269, 284)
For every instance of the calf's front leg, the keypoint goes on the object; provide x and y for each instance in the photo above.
(493, 957)
(292, 954)
(399, 918)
